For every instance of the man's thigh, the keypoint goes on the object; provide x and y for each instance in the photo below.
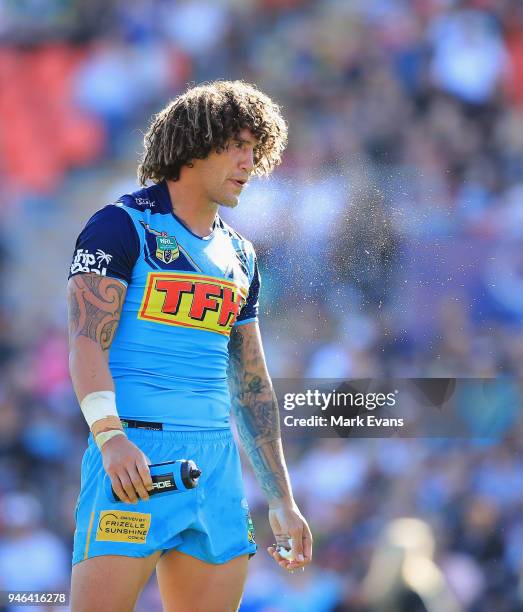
(109, 583)
(190, 585)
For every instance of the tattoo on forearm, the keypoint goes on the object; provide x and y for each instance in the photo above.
(266, 459)
(256, 414)
(95, 304)
(235, 346)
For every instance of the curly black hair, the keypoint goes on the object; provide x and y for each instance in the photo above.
(204, 119)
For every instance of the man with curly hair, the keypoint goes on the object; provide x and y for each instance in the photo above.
(164, 340)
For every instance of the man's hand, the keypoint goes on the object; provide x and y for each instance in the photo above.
(128, 469)
(287, 523)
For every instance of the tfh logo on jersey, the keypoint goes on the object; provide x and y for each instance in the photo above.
(85, 261)
(192, 300)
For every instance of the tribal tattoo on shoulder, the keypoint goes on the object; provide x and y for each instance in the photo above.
(95, 305)
(256, 413)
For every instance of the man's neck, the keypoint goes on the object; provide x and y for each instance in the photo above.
(192, 207)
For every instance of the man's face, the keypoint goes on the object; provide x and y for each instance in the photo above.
(224, 174)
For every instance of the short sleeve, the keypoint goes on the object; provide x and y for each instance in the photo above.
(249, 312)
(108, 245)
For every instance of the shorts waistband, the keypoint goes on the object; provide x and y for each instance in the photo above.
(149, 429)
(142, 424)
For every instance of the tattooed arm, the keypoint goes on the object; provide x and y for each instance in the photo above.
(256, 414)
(95, 305)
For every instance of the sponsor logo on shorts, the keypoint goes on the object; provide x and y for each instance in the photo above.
(85, 261)
(250, 529)
(118, 526)
(192, 300)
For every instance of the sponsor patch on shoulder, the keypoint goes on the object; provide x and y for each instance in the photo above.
(85, 261)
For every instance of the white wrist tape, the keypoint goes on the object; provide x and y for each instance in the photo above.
(98, 405)
(105, 436)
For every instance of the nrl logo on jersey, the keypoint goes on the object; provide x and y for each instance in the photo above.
(166, 246)
(85, 261)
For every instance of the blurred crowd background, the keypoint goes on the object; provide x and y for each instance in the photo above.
(390, 244)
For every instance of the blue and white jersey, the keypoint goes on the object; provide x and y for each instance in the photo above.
(169, 355)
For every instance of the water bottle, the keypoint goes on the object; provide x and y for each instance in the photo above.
(168, 477)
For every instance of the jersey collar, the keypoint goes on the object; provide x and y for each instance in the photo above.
(162, 196)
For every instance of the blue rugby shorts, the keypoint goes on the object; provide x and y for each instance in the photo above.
(210, 522)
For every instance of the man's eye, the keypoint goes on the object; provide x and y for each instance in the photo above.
(239, 145)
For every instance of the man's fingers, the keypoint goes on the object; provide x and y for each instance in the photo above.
(138, 483)
(145, 474)
(119, 490)
(285, 564)
(300, 553)
(307, 546)
(129, 471)
(297, 545)
(128, 487)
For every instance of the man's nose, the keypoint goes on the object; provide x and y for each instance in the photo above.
(247, 162)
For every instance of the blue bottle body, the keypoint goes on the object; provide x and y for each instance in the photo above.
(168, 477)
